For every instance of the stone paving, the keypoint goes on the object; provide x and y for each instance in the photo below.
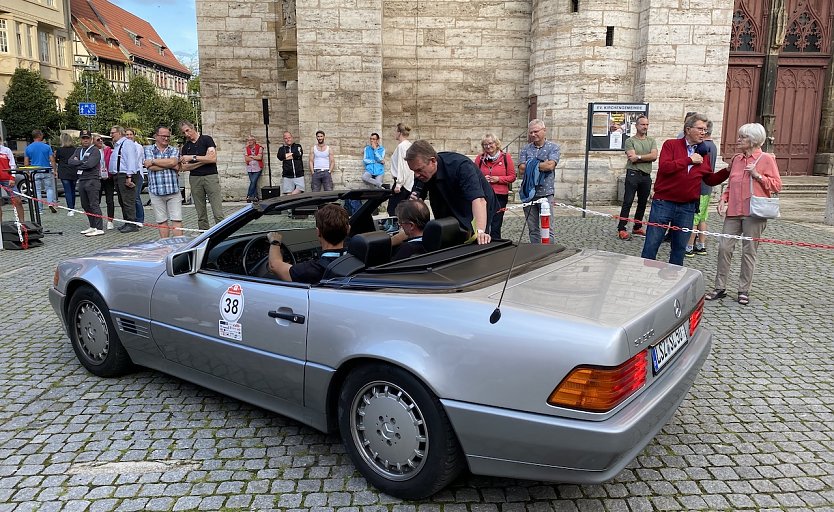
(755, 432)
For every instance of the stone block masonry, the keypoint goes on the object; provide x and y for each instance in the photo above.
(453, 70)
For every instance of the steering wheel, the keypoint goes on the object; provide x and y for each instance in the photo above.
(256, 256)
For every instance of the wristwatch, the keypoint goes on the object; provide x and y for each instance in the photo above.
(194, 159)
(638, 157)
(274, 242)
(481, 231)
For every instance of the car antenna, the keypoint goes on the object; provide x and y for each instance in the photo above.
(496, 315)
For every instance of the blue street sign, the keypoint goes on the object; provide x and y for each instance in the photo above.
(87, 109)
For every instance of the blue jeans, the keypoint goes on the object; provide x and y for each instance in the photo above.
(253, 184)
(45, 181)
(675, 214)
(69, 193)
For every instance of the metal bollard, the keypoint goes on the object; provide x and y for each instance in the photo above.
(544, 221)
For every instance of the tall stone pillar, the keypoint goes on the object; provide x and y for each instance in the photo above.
(340, 79)
(824, 161)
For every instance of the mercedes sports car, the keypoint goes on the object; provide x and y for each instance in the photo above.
(414, 362)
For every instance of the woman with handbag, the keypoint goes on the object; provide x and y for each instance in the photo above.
(253, 155)
(747, 204)
(499, 171)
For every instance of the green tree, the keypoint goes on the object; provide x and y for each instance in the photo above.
(29, 104)
(141, 99)
(177, 109)
(93, 87)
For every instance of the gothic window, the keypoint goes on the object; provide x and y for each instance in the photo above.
(804, 35)
(743, 37)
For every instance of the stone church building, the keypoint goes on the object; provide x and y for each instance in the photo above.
(456, 69)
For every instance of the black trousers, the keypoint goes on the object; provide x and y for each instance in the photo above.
(640, 184)
(108, 186)
(90, 193)
(127, 197)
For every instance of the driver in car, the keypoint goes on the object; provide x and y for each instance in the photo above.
(332, 227)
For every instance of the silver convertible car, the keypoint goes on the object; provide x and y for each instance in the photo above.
(408, 360)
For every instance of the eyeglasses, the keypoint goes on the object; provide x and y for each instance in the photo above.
(487, 144)
(702, 130)
(163, 136)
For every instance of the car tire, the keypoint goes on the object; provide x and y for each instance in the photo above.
(93, 335)
(409, 450)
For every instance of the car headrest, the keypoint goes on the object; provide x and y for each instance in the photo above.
(442, 233)
(373, 248)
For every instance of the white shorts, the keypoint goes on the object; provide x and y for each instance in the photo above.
(167, 208)
(290, 184)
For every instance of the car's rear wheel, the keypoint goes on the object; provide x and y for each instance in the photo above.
(397, 433)
(94, 337)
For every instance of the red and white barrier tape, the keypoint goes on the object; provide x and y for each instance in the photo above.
(103, 217)
(791, 243)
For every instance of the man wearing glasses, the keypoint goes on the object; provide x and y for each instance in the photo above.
(545, 154)
(162, 163)
(199, 157)
(454, 186)
(373, 158)
(677, 188)
(124, 161)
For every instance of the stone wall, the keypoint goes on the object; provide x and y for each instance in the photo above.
(454, 70)
(240, 65)
(671, 54)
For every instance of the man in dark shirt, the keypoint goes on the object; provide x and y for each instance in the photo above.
(412, 216)
(291, 154)
(332, 227)
(677, 188)
(455, 188)
(199, 157)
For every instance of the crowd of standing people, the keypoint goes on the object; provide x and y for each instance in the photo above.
(475, 192)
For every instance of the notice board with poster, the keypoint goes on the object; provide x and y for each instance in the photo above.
(610, 124)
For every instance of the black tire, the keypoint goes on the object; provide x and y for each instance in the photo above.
(409, 450)
(94, 337)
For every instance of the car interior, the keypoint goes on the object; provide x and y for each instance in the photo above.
(242, 247)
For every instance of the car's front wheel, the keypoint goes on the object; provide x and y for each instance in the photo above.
(397, 433)
(94, 337)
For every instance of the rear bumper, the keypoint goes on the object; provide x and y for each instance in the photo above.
(513, 444)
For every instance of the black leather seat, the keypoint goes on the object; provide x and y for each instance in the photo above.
(442, 233)
(364, 250)
(372, 248)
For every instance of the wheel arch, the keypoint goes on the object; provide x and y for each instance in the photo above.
(349, 366)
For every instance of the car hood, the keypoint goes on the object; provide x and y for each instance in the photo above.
(152, 251)
(605, 288)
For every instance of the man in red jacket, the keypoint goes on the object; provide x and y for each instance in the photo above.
(677, 188)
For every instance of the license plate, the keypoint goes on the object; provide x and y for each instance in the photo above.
(665, 351)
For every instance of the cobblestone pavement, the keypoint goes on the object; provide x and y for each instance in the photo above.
(755, 432)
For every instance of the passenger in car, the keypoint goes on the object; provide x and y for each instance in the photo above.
(332, 227)
(413, 216)
(454, 186)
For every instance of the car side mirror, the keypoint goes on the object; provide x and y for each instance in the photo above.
(187, 261)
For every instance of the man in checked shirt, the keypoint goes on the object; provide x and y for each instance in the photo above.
(162, 163)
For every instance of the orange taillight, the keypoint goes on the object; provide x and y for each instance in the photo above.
(695, 317)
(600, 389)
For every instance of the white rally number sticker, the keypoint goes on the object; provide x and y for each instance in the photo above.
(231, 304)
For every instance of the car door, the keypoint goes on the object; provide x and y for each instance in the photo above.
(246, 331)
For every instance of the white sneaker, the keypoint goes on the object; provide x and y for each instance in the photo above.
(109, 225)
(70, 213)
(95, 232)
(88, 230)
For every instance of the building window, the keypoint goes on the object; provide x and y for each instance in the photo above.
(61, 51)
(609, 36)
(43, 39)
(49, 3)
(19, 39)
(4, 37)
(28, 40)
(574, 6)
